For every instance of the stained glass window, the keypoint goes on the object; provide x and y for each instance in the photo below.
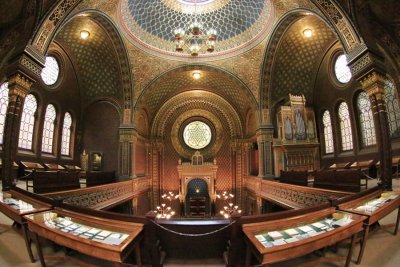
(345, 127)
(197, 134)
(328, 136)
(27, 122)
(66, 135)
(367, 125)
(48, 129)
(392, 107)
(50, 71)
(3, 108)
(342, 71)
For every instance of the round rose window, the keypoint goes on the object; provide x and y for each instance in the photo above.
(197, 135)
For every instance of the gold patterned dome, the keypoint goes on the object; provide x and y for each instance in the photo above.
(240, 24)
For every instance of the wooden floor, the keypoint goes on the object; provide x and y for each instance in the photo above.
(383, 250)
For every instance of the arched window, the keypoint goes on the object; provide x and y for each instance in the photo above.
(66, 135)
(27, 123)
(367, 126)
(345, 127)
(3, 108)
(393, 108)
(328, 136)
(48, 129)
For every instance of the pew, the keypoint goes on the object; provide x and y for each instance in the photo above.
(344, 180)
(53, 167)
(342, 165)
(100, 178)
(294, 177)
(28, 166)
(51, 181)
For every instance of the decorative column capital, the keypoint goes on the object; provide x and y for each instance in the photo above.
(373, 83)
(19, 85)
(128, 134)
(157, 144)
(265, 133)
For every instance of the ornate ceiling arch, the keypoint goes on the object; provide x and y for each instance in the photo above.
(180, 79)
(197, 99)
(283, 26)
(103, 57)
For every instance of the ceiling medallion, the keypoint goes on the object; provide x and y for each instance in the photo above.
(150, 25)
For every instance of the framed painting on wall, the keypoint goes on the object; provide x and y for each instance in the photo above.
(96, 161)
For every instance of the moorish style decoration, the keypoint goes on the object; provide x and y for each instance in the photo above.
(151, 25)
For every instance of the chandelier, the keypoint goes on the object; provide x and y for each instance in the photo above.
(164, 212)
(195, 39)
(229, 208)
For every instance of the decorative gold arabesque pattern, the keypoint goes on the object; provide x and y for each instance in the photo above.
(222, 155)
(180, 80)
(176, 139)
(295, 68)
(149, 24)
(197, 99)
(96, 59)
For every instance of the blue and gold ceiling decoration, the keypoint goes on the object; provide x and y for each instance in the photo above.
(240, 24)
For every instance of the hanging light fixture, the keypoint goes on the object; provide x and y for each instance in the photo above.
(229, 208)
(195, 39)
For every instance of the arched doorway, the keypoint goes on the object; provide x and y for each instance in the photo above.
(197, 201)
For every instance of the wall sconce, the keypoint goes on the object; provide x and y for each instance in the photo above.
(84, 34)
(308, 33)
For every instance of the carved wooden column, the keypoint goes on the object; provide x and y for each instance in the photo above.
(156, 170)
(127, 148)
(264, 140)
(18, 86)
(373, 84)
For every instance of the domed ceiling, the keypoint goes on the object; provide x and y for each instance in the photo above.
(240, 24)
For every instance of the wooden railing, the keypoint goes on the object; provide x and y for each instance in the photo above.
(104, 196)
(290, 196)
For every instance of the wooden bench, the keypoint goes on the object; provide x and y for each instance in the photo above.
(52, 181)
(100, 178)
(344, 180)
(294, 177)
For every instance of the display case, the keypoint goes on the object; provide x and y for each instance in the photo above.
(106, 239)
(15, 205)
(275, 241)
(374, 206)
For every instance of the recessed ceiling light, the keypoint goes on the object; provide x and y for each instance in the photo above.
(308, 33)
(196, 74)
(84, 34)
